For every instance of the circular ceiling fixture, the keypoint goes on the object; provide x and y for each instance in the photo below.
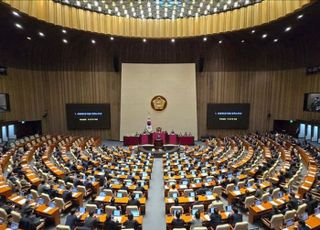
(159, 9)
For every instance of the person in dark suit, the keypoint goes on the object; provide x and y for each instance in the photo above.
(26, 208)
(177, 222)
(235, 217)
(134, 201)
(89, 222)
(293, 201)
(302, 225)
(67, 194)
(111, 225)
(131, 223)
(72, 219)
(215, 219)
(202, 190)
(140, 188)
(52, 192)
(29, 221)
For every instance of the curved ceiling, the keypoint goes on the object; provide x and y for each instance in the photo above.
(159, 9)
(81, 19)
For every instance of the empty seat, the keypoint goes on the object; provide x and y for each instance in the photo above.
(223, 227)
(91, 207)
(250, 200)
(290, 214)
(63, 227)
(241, 226)
(217, 190)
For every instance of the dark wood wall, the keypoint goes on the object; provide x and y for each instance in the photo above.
(45, 74)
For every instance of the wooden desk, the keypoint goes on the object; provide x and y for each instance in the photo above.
(47, 212)
(313, 222)
(102, 218)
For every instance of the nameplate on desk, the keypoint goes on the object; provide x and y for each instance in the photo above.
(261, 207)
(191, 199)
(23, 201)
(170, 200)
(47, 210)
(210, 197)
(318, 215)
(273, 203)
(15, 198)
(3, 186)
(100, 198)
(280, 201)
(237, 193)
(183, 186)
(206, 217)
(251, 189)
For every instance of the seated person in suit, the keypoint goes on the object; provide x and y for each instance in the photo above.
(177, 222)
(111, 224)
(67, 194)
(26, 208)
(72, 219)
(196, 222)
(140, 188)
(90, 222)
(173, 189)
(202, 190)
(5, 205)
(29, 221)
(293, 201)
(133, 201)
(302, 225)
(131, 223)
(235, 217)
(215, 219)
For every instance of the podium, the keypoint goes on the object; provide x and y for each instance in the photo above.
(159, 135)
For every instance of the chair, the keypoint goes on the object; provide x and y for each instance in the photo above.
(276, 221)
(199, 207)
(223, 227)
(241, 226)
(301, 210)
(275, 193)
(70, 184)
(200, 228)
(34, 194)
(82, 189)
(3, 214)
(170, 193)
(138, 192)
(108, 192)
(178, 208)
(63, 227)
(241, 184)
(217, 190)
(91, 207)
(230, 187)
(130, 208)
(179, 229)
(265, 197)
(109, 210)
(61, 204)
(16, 216)
(61, 182)
(250, 200)
(123, 192)
(46, 198)
(290, 214)
(188, 191)
(218, 206)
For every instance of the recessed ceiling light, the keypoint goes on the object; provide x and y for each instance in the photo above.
(41, 34)
(18, 26)
(205, 39)
(275, 40)
(288, 29)
(144, 40)
(173, 40)
(300, 16)
(253, 31)
(242, 41)
(220, 42)
(15, 13)
(264, 35)
(29, 38)
(93, 41)
(111, 38)
(65, 41)
(64, 31)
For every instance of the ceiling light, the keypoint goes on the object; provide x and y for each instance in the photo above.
(253, 31)
(144, 40)
(18, 26)
(264, 35)
(300, 16)
(205, 39)
(65, 41)
(111, 38)
(242, 41)
(288, 29)
(93, 41)
(41, 34)
(29, 38)
(15, 13)
(173, 40)
(64, 31)
(275, 40)
(220, 42)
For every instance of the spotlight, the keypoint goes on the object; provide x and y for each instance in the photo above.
(15, 13)
(64, 31)
(144, 40)
(173, 40)
(264, 35)
(65, 41)
(111, 38)
(29, 38)
(242, 41)
(18, 26)
(220, 42)
(288, 29)
(275, 40)
(41, 34)
(205, 39)
(93, 41)
(300, 16)
(253, 31)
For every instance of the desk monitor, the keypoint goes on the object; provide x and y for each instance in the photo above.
(14, 225)
(258, 202)
(317, 210)
(116, 213)
(305, 216)
(175, 195)
(102, 194)
(280, 194)
(185, 182)
(208, 193)
(74, 190)
(229, 208)
(209, 180)
(236, 188)
(40, 201)
(119, 195)
(194, 211)
(136, 196)
(269, 198)
(82, 210)
(52, 205)
(289, 222)
(99, 211)
(135, 213)
(192, 194)
(211, 210)
(29, 197)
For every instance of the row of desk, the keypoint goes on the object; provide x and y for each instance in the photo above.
(144, 139)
